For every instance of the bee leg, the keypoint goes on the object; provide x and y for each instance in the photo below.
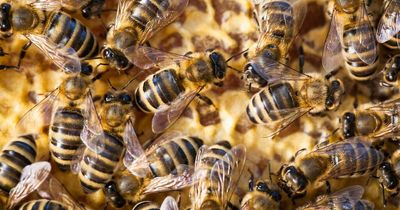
(23, 52)
(4, 67)
(206, 100)
(231, 206)
(383, 195)
(301, 59)
(328, 187)
(332, 73)
(251, 181)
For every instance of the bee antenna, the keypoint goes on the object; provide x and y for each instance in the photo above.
(111, 86)
(234, 69)
(128, 83)
(237, 54)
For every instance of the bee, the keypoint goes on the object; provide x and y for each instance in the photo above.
(351, 38)
(375, 122)
(65, 108)
(388, 180)
(351, 158)
(168, 91)
(165, 165)
(217, 172)
(347, 198)
(89, 8)
(391, 71)
(169, 203)
(37, 177)
(113, 196)
(135, 23)
(262, 195)
(388, 29)
(14, 157)
(278, 23)
(37, 18)
(290, 95)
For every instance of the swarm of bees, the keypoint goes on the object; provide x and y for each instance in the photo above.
(136, 115)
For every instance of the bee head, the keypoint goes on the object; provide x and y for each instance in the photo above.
(116, 58)
(251, 75)
(5, 23)
(111, 192)
(74, 87)
(335, 93)
(348, 124)
(295, 181)
(117, 107)
(211, 205)
(392, 69)
(92, 9)
(218, 65)
(262, 186)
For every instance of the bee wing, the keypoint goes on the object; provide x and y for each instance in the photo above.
(92, 132)
(389, 107)
(146, 57)
(332, 55)
(167, 115)
(389, 24)
(272, 71)
(162, 19)
(123, 13)
(75, 165)
(181, 178)
(364, 42)
(239, 161)
(74, 3)
(47, 5)
(169, 203)
(31, 178)
(135, 159)
(200, 185)
(39, 115)
(65, 59)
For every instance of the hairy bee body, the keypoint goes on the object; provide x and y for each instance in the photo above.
(146, 205)
(44, 204)
(98, 168)
(357, 68)
(361, 123)
(161, 88)
(261, 196)
(19, 153)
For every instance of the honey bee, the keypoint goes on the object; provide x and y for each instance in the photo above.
(388, 29)
(135, 23)
(33, 18)
(375, 122)
(278, 23)
(388, 179)
(65, 108)
(37, 177)
(169, 91)
(290, 95)
(164, 166)
(351, 158)
(262, 195)
(14, 157)
(88, 8)
(351, 37)
(347, 198)
(391, 71)
(113, 196)
(169, 203)
(217, 171)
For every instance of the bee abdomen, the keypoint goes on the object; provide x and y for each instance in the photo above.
(278, 10)
(169, 156)
(44, 204)
(146, 205)
(65, 136)
(68, 32)
(264, 106)
(145, 11)
(14, 157)
(97, 168)
(161, 88)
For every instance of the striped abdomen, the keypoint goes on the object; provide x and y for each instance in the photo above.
(358, 69)
(146, 205)
(354, 159)
(15, 156)
(68, 32)
(98, 168)
(349, 203)
(144, 11)
(168, 156)
(161, 88)
(44, 204)
(264, 106)
(64, 135)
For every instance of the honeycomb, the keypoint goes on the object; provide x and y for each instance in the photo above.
(226, 25)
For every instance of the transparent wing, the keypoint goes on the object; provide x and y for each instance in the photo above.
(239, 161)
(176, 7)
(199, 189)
(40, 115)
(75, 164)
(389, 24)
(135, 159)
(65, 59)
(31, 178)
(389, 107)
(348, 195)
(272, 71)
(74, 3)
(169, 203)
(332, 57)
(47, 5)
(167, 115)
(365, 46)
(174, 181)
(123, 13)
(92, 133)
(147, 57)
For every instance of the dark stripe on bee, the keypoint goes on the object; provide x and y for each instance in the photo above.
(44, 204)
(67, 32)
(146, 205)
(161, 88)
(14, 157)
(145, 11)
(65, 137)
(168, 156)
(393, 43)
(278, 16)
(97, 168)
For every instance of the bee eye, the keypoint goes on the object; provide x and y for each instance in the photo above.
(108, 53)
(86, 69)
(262, 187)
(86, 12)
(126, 99)
(108, 98)
(5, 7)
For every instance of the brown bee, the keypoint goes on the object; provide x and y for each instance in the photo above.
(388, 28)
